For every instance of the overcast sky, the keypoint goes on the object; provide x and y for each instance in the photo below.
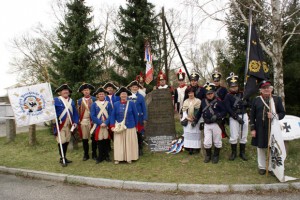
(19, 16)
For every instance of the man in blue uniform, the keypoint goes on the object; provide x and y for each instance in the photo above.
(200, 91)
(212, 110)
(238, 121)
(67, 117)
(140, 104)
(84, 128)
(220, 90)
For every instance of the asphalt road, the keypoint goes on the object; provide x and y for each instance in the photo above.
(15, 188)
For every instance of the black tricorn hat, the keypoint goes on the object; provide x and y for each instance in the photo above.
(123, 89)
(63, 87)
(100, 89)
(85, 86)
(134, 83)
(216, 76)
(232, 80)
(194, 76)
(209, 88)
(110, 84)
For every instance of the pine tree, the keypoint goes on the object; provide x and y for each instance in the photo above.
(237, 37)
(138, 23)
(76, 54)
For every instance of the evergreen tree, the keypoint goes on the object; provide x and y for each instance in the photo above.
(76, 54)
(138, 23)
(291, 62)
(234, 59)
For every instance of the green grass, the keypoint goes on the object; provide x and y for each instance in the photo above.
(152, 167)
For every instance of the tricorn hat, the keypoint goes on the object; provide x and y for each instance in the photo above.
(123, 89)
(216, 76)
(85, 86)
(232, 80)
(63, 87)
(110, 84)
(134, 83)
(100, 89)
(195, 76)
(180, 75)
(209, 88)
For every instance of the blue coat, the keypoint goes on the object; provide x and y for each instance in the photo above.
(141, 107)
(218, 109)
(221, 92)
(79, 101)
(113, 99)
(119, 111)
(235, 105)
(95, 111)
(59, 108)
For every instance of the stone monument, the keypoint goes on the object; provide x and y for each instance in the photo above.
(160, 128)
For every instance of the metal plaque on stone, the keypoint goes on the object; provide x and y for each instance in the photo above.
(160, 129)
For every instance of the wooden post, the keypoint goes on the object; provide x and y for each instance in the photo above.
(165, 44)
(10, 130)
(32, 135)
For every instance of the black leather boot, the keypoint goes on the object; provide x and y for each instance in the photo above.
(61, 159)
(242, 152)
(94, 149)
(215, 158)
(65, 148)
(140, 143)
(207, 156)
(85, 145)
(233, 152)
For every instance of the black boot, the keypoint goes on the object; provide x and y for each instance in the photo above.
(94, 149)
(215, 158)
(65, 148)
(106, 150)
(140, 143)
(191, 151)
(61, 159)
(85, 145)
(208, 155)
(101, 146)
(233, 152)
(242, 152)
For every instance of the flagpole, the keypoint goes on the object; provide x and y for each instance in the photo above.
(248, 46)
(269, 131)
(247, 62)
(58, 133)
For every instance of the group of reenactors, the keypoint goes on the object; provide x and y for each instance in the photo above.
(92, 115)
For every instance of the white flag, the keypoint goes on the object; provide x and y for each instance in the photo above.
(32, 104)
(278, 151)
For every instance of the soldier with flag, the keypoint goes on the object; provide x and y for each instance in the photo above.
(67, 117)
(236, 106)
(140, 104)
(264, 109)
(220, 90)
(85, 122)
(141, 80)
(212, 110)
(179, 92)
(100, 112)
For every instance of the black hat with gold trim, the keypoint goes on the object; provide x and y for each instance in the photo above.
(209, 88)
(133, 83)
(216, 76)
(123, 89)
(63, 87)
(85, 86)
(180, 75)
(194, 76)
(110, 84)
(232, 80)
(100, 89)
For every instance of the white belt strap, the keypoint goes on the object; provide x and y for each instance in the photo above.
(102, 111)
(66, 110)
